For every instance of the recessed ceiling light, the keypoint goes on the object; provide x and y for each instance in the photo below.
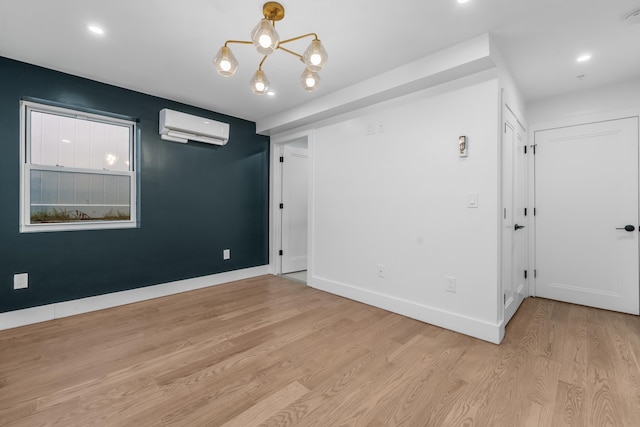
(66, 141)
(95, 29)
(584, 57)
(271, 93)
(463, 1)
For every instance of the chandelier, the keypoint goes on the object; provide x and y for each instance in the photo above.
(266, 40)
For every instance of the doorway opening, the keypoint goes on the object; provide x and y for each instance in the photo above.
(293, 209)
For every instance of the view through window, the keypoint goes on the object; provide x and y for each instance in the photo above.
(78, 170)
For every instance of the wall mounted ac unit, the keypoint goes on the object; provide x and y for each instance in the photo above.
(180, 127)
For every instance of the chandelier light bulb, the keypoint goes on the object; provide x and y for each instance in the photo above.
(309, 80)
(259, 83)
(226, 64)
(315, 59)
(264, 37)
(265, 41)
(315, 56)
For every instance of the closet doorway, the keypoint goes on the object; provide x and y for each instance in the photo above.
(294, 171)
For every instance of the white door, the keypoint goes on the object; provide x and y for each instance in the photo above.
(294, 208)
(514, 234)
(586, 190)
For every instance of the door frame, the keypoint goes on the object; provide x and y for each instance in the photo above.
(563, 122)
(275, 196)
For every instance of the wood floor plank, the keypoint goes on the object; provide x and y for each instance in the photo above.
(270, 351)
(569, 406)
(602, 382)
(430, 390)
(20, 411)
(574, 353)
(268, 406)
(461, 415)
(541, 395)
(347, 380)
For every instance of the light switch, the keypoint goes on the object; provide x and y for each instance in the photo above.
(472, 200)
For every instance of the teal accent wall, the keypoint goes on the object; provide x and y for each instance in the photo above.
(195, 200)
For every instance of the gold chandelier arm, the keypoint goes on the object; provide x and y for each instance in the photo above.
(314, 35)
(262, 62)
(289, 51)
(237, 41)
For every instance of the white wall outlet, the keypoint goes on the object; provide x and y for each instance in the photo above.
(371, 128)
(226, 254)
(450, 283)
(380, 271)
(21, 281)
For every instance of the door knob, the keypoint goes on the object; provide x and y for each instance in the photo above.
(627, 228)
(518, 227)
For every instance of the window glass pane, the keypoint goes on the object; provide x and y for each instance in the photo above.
(60, 197)
(79, 143)
(79, 170)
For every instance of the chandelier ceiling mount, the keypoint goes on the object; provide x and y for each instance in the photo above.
(273, 11)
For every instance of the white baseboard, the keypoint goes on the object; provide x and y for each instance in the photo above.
(27, 316)
(465, 325)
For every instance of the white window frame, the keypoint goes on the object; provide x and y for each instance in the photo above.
(26, 107)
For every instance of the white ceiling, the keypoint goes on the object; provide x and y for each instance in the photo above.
(165, 48)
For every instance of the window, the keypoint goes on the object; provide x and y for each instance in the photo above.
(77, 170)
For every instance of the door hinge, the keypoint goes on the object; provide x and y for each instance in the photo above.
(534, 148)
(281, 159)
(525, 274)
(281, 205)
(504, 298)
(525, 211)
(525, 149)
(280, 252)
(534, 211)
(535, 273)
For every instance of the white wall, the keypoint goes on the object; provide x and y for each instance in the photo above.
(612, 98)
(398, 198)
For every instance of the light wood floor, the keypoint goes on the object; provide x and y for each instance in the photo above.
(270, 351)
